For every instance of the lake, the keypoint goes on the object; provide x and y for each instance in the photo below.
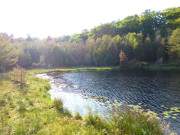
(96, 91)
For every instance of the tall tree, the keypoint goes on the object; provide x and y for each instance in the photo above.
(8, 54)
(174, 42)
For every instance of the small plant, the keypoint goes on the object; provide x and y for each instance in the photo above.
(21, 107)
(95, 121)
(58, 104)
(66, 112)
(77, 116)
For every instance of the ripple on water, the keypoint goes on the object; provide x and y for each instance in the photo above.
(157, 92)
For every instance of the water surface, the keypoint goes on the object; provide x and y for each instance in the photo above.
(96, 90)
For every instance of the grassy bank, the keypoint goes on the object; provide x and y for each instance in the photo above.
(30, 110)
(127, 67)
(150, 67)
(163, 67)
(74, 69)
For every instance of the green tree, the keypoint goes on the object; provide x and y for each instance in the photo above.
(8, 54)
(132, 40)
(174, 42)
(129, 24)
(172, 16)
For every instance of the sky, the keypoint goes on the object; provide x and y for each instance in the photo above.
(42, 18)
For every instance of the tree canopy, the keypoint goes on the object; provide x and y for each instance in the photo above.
(148, 37)
(8, 54)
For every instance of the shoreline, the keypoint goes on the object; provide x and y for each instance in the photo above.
(30, 110)
(152, 68)
(94, 69)
(170, 68)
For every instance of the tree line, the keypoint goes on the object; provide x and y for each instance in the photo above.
(152, 37)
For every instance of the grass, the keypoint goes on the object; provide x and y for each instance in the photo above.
(75, 69)
(164, 67)
(30, 111)
(170, 67)
(151, 67)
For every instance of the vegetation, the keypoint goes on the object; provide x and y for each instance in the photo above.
(146, 41)
(8, 55)
(152, 37)
(29, 110)
(175, 43)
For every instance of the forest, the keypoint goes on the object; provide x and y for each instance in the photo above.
(150, 38)
(43, 80)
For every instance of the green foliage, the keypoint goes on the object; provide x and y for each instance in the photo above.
(95, 121)
(58, 105)
(134, 120)
(129, 24)
(174, 42)
(151, 37)
(132, 40)
(172, 16)
(8, 54)
(33, 112)
(77, 116)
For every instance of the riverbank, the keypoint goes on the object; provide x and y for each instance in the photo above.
(29, 110)
(74, 69)
(151, 67)
(126, 67)
(164, 67)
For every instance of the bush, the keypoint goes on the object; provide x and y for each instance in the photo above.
(77, 116)
(96, 121)
(58, 104)
(134, 120)
(127, 120)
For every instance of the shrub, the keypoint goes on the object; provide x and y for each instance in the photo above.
(96, 121)
(58, 104)
(134, 120)
(77, 116)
